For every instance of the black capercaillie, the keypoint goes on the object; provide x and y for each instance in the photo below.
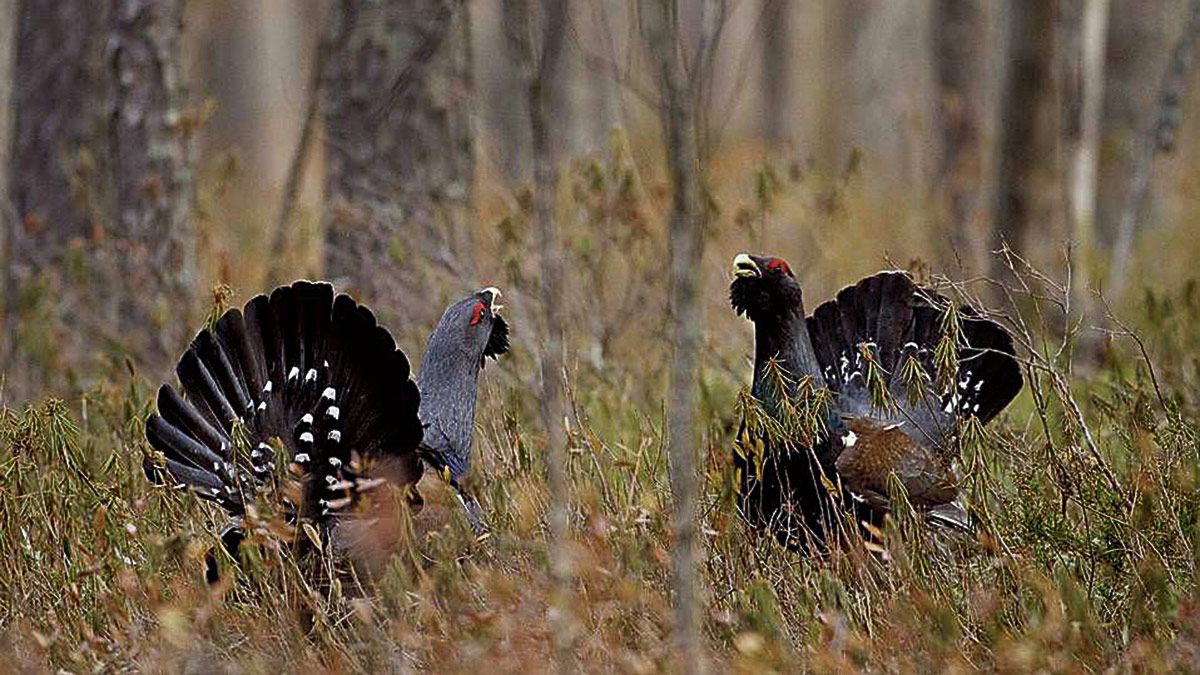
(892, 392)
(303, 398)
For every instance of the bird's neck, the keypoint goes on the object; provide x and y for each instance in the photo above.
(448, 382)
(784, 340)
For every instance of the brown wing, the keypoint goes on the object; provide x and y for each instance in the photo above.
(873, 450)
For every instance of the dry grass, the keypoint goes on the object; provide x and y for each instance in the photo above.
(1088, 487)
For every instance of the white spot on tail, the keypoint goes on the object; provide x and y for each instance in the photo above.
(329, 393)
(849, 439)
(335, 462)
(270, 385)
(306, 437)
(334, 412)
(951, 403)
(311, 375)
(293, 373)
(335, 436)
(307, 419)
(303, 458)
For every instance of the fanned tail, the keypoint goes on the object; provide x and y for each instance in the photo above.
(303, 381)
(887, 322)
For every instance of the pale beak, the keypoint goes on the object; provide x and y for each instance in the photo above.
(744, 267)
(495, 295)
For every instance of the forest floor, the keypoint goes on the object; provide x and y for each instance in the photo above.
(1088, 491)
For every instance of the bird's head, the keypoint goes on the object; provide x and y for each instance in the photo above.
(477, 316)
(763, 287)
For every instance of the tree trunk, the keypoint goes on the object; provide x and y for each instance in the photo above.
(843, 23)
(661, 26)
(400, 150)
(1139, 46)
(778, 54)
(601, 52)
(151, 166)
(1159, 136)
(1023, 144)
(1093, 39)
(254, 59)
(958, 32)
(8, 38)
(538, 62)
(511, 113)
(103, 192)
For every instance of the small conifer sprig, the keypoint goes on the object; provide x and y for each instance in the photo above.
(794, 413)
(221, 295)
(914, 378)
(945, 355)
(876, 378)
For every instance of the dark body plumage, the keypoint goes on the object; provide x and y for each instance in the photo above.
(304, 387)
(448, 380)
(870, 352)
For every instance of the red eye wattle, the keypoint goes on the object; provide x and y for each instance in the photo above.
(779, 264)
(477, 314)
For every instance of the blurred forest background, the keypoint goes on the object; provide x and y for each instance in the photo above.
(602, 162)
(152, 149)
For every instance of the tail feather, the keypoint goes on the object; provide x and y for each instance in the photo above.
(187, 419)
(256, 349)
(302, 366)
(891, 317)
(824, 332)
(894, 310)
(231, 336)
(953, 515)
(234, 398)
(209, 484)
(177, 446)
(990, 377)
(200, 389)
